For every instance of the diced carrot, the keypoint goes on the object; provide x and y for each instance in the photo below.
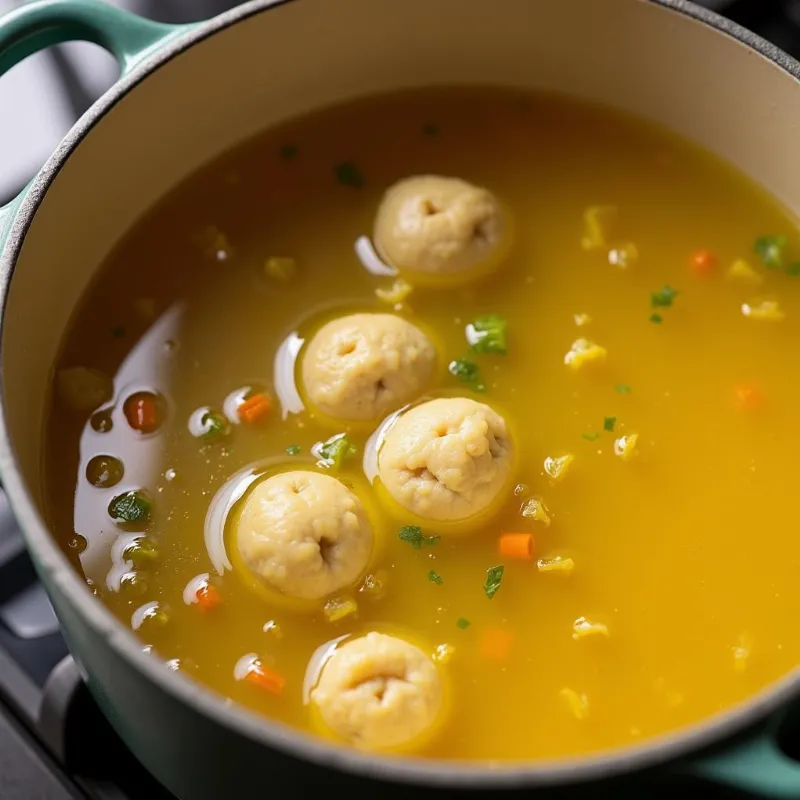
(142, 412)
(496, 644)
(517, 545)
(265, 678)
(703, 262)
(748, 397)
(208, 597)
(254, 409)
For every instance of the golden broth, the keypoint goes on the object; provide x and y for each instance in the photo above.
(685, 552)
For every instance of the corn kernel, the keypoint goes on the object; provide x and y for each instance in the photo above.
(764, 310)
(597, 224)
(399, 291)
(741, 271)
(444, 653)
(582, 628)
(625, 446)
(584, 352)
(558, 564)
(339, 608)
(535, 509)
(578, 704)
(557, 468)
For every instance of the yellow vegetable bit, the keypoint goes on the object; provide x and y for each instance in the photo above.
(339, 608)
(399, 291)
(766, 310)
(741, 271)
(625, 446)
(624, 256)
(558, 564)
(582, 628)
(581, 319)
(444, 653)
(273, 629)
(577, 704)
(535, 509)
(280, 268)
(598, 222)
(83, 389)
(741, 652)
(584, 352)
(557, 468)
(374, 585)
(213, 243)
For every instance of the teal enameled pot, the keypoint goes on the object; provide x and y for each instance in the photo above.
(187, 93)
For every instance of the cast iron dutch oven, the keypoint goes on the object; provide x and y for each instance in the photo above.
(187, 93)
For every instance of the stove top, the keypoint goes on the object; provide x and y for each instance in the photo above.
(54, 743)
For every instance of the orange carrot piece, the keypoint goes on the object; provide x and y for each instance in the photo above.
(517, 545)
(265, 678)
(703, 262)
(208, 597)
(748, 397)
(496, 644)
(254, 409)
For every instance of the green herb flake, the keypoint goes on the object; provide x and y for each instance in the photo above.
(623, 388)
(118, 331)
(657, 318)
(215, 426)
(487, 334)
(348, 174)
(609, 423)
(288, 152)
(293, 450)
(415, 537)
(429, 129)
(131, 507)
(462, 623)
(494, 577)
(770, 250)
(435, 577)
(793, 269)
(591, 436)
(663, 297)
(336, 450)
(467, 372)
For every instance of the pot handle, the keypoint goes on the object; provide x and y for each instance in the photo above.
(39, 24)
(755, 764)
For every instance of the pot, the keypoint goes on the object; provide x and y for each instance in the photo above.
(187, 93)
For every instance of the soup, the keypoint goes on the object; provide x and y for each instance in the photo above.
(574, 530)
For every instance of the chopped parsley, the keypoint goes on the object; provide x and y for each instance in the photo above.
(462, 623)
(118, 331)
(292, 449)
(770, 250)
(494, 577)
(348, 174)
(793, 269)
(415, 537)
(467, 372)
(131, 507)
(487, 334)
(591, 436)
(215, 426)
(623, 388)
(429, 129)
(663, 297)
(657, 318)
(609, 423)
(336, 450)
(288, 152)
(435, 577)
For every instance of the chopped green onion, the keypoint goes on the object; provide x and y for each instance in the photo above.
(487, 334)
(348, 174)
(467, 372)
(494, 577)
(288, 152)
(770, 250)
(663, 297)
(131, 507)
(462, 623)
(657, 318)
(415, 537)
(435, 577)
(623, 388)
(793, 269)
(336, 450)
(215, 426)
(609, 423)
(590, 437)
(292, 449)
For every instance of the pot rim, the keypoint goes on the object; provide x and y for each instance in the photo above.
(442, 774)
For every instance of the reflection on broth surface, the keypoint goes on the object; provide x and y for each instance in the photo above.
(638, 572)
